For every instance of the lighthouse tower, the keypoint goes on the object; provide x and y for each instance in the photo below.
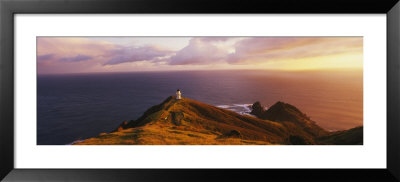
(178, 95)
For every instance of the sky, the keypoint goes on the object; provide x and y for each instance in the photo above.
(63, 55)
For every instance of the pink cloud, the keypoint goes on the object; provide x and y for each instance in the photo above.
(44, 57)
(261, 49)
(213, 39)
(133, 54)
(69, 54)
(77, 58)
(198, 52)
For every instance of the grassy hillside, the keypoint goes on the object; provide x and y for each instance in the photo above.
(189, 122)
(352, 136)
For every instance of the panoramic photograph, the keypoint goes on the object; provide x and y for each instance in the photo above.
(199, 90)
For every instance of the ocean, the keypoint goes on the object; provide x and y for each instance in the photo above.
(78, 106)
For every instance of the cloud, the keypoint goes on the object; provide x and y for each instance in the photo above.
(258, 49)
(56, 54)
(213, 39)
(198, 52)
(45, 57)
(70, 54)
(133, 54)
(77, 58)
(67, 49)
(72, 46)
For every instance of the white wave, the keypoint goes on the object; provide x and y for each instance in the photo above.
(76, 141)
(242, 105)
(223, 106)
(243, 109)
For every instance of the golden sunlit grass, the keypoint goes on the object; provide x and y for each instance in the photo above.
(158, 135)
(178, 124)
(189, 122)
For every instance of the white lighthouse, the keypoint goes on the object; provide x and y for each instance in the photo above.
(178, 94)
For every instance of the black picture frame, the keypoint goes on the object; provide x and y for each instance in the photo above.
(9, 8)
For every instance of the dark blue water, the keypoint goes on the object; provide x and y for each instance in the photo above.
(73, 107)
